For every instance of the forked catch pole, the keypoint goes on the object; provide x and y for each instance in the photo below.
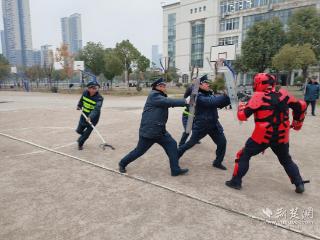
(104, 144)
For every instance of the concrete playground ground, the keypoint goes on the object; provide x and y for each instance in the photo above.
(50, 190)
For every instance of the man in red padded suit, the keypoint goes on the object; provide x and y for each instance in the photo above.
(270, 108)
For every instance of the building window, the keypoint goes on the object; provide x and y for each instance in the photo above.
(283, 16)
(172, 38)
(230, 6)
(229, 41)
(195, 10)
(204, 8)
(191, 11)
(200, 9)
(229, 24)
(185, 78)
(197, 43)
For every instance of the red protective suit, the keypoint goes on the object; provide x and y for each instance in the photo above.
(270, 108)
(271, 114)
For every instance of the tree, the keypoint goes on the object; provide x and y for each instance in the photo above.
(294, 57)
(35, 73)
(171, 75)
(143, 64)
(263, 41)
(239, 65)
(65, 58)
(304, 27)
(128, 54)
(93, 55)
(113, 65)
(218, 84)
(4, 67)
(59, 75)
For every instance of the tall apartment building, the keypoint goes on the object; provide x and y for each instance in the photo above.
(71, 32)
(192, 27)
(47, 55)
(16, 38)
(156, 56)
(3, 43)
(36, 57)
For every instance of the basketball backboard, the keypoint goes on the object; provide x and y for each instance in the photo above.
(225, 52)
(14, 70)
(78, 65)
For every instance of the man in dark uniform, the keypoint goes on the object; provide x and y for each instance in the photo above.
(153, 128)
(206, 122)
(90, 103)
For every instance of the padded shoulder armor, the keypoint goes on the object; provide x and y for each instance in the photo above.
(256, 100)
(303, 105)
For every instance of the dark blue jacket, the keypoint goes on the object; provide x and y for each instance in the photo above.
(94, 102)
(206, 115)
(155, 114)
(312, 92)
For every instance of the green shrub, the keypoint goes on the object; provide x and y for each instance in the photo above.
(54, 89)
(179, 84)
(218, 84)
(299, 80)
(186, 85)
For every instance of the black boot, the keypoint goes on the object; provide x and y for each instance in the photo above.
(233, 184)
(299, 188)
(122, 169)
(219, 165)
(80, 146)
(179, 172)
(79, 132)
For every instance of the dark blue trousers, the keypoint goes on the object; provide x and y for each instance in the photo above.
(84, 129)
(185, 135)
(313, 106)
(166, 141)
(217, 137)
(282, 152)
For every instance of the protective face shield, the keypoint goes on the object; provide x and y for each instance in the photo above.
(263, 81)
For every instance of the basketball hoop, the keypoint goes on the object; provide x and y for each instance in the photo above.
(220, 62)
(225, 52)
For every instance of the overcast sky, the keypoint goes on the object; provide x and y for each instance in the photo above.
(107, 21)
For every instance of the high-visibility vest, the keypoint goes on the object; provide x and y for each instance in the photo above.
(87, 104)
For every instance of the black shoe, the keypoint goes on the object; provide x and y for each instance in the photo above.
(198, 142)
(220, 166)
(313, 114)
(300, 188)
(234, 185)
(122, 169)
(180, 172)
(80, 133)
(80, 147)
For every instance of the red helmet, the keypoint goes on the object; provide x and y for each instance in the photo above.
(263, 81)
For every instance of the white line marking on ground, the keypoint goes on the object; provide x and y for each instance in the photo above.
(31, 128)
(187, 195)
(40, 151)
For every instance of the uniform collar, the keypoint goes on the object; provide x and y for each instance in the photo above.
(162, 93)
(97, 93)
(205, 92)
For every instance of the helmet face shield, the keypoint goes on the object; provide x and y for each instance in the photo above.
(263, 81)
